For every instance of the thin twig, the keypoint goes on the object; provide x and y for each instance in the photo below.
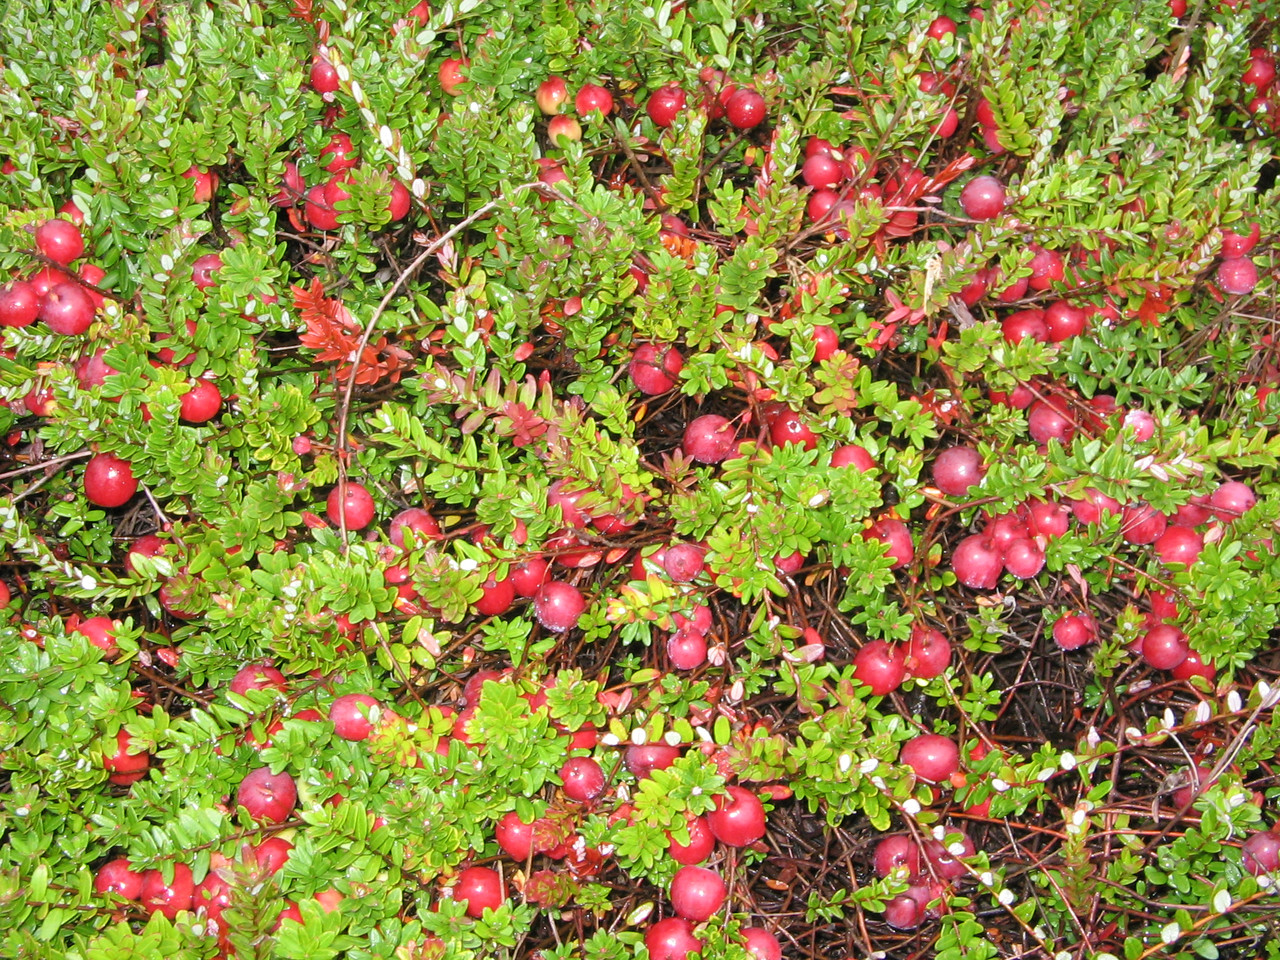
(430, 250)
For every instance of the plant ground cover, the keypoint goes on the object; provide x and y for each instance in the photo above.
(594, 480)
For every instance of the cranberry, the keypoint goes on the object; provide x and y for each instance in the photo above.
(655, 369)
(19, 304)
(977, 562)
(353, 715)
(1261, 853)
(1179, 545)
(671, 939)
(528, 576)
(945, 860)
(789, 428)
(821, 171)
(318, 211)
(738, 818)
(480, 889)
(272, 854)
(1025, 324)
(338, 154)
(665, 104)
(701, 843)
(745, 109)
(1141, 523)
(268, 797)
(933, 757)
(118, 877)
(687, 650)
(1063, 321)
(1075, 631)
(928, 652)
(1164, 647)
(710, 438)
(60, 241)
(558, 605)
(324, 75)
(418, 522)
(641, 760)
(880, 666)
(1091, 507)
(66, 309)
(761, 944)
(1231, 500)
(109, 481)
(851, 454)
(124, 766)
(257, 676)
(897, 853)
(452, 76)
(169, 898)
(904, 912)
(697, 893)
(203, 270)
(956, 470)
(351, 505)
(592, 97)
(894, 534)
(1048, 420)
(497, 597)
(982, 198)
(201, 403)
(583, 779)
(514, 836)
(1046, 269)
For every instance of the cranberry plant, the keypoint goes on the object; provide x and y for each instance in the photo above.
(612, 480)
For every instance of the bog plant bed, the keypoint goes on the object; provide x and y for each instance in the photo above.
(615, 479)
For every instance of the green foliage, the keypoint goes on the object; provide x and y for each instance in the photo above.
(473, 359)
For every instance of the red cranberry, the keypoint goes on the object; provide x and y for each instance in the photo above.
(558, 605)
(956, 470)
(982, 198)
(880, 666)
(933, 757)
(977, 562)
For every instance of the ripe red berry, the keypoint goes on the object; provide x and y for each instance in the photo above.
(672, 939)
(354, 715)
(738, 818)
(957, 470)
(480, 889)
(932, 756)
(1237, 276)
(1074, 631)
(351, 502)
(109, 481)
(583, 779)
(118, 877)
(1164, 647)
(745, 109)
(60, 241)
(665, 104)
(168, 898)
(558, 605)
(452, 75)
(338, 154)
(982, 198)
(697, 893)
(324, 75)
(67, 309)
(655, 368)
(880, 666)
(201, 403)
(19, 304)
(928, 652)
(551, 95)
(592, 97)
(977, 562)
(709, 438)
